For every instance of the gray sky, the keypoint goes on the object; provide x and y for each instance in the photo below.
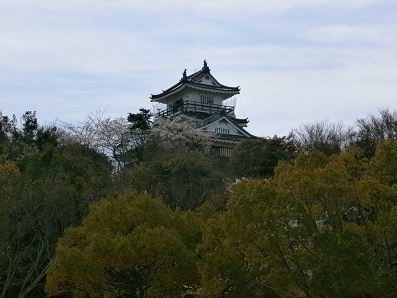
(296, 61)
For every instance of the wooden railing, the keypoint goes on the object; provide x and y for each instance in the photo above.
(194, 106)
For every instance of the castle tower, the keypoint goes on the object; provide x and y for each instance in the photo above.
(201, 97)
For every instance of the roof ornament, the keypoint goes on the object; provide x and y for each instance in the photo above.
(184, 76)
(205, 66)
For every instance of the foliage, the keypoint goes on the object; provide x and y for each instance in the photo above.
(374, 128)
(7, 127)
(257, 158)
(170, 136)
(15, 142)
(141, 121)
(323, 136)
(321, 227)
(127, 246)
(319, 224)
(183, 181)
(44, 187)
(137, 138)
(172, 163)
(111, 137)
(179, 131)
(334, 138)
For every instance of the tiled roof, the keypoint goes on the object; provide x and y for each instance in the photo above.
(193, 82)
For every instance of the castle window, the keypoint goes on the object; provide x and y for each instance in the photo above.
(207, 99)
(222, 130)
(226, 152)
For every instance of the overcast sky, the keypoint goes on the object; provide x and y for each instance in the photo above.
(296, 61)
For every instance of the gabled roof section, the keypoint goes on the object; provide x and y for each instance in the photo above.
(219, 115)
(202, 80)
(222, 121)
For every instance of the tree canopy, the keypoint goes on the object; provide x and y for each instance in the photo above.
(323, 226)
(118, 208)
(128, 246)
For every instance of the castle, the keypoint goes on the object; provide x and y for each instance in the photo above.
(201, 97)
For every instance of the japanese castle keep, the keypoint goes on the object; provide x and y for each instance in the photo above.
(201, 97)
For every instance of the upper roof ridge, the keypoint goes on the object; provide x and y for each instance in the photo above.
(194, 81)
(205, 68)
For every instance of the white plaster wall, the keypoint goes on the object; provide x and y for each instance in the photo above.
(195, 96)
(221, 124)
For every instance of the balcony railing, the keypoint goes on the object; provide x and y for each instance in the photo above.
(193, 106)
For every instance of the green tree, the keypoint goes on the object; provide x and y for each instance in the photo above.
(183, 181)
(383, 165)
(127, 246)
(7, 127)
(321, 227)
(45, 186)
(50, 192)
(16, 142)
(34, 214)
(141, 121)
(257, 158)
(375, 128)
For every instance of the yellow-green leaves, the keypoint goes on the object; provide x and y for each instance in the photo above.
(324, 226)
(383, 165)
(128, 245)
(8, 169)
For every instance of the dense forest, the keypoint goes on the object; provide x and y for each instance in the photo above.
(132, 207)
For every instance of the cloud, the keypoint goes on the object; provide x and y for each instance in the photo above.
(219, 8)
(353, 33)
(296, 61)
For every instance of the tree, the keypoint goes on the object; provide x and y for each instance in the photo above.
(34, 213)
(173, 166)
(7, 127)
(111, 137)
(30, 126)
(383, 165)
(180, 131)
(140, 121)
(323, 136)
(45, 186)
(321, 227)
(183, 181)
(329, 209)
(124, 140)
(16, 142)
(128, 246)
(38, 200)
(141, 124)
(171, 136)
(224, 266)
(257, 158)
(373, 129)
